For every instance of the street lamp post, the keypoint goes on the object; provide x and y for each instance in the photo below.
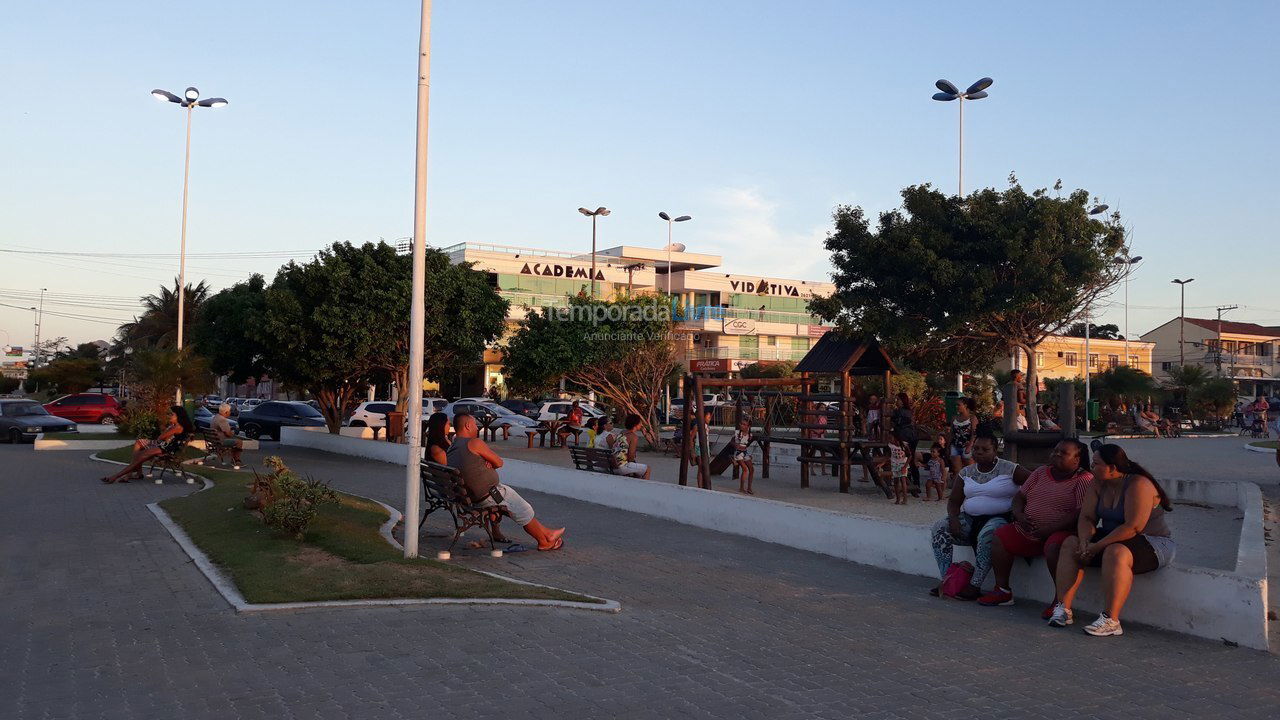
(671, 246)
(39, 327)
(593, 214)
(417, 312)
(190, 100)
(1128, 262)
(1182, 320)
(1097, 210)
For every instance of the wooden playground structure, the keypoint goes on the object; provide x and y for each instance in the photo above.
(833, 361)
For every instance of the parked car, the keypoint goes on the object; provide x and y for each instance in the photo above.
(557, 409)
(204, 419)
(433, 405)
(266, 419)
(489, 408)
(22, 420)
(86, 408)
(527, 408)
(370, 414)
(213, 402)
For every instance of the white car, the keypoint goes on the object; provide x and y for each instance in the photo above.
(488, 407)
(559, 409)
(433, 405)
(370, 414)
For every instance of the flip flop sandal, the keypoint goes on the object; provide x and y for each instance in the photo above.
(558, 544)
(106, 480)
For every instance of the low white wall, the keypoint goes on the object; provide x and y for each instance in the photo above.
(343, 444)
(1205, 602)
(88, 444)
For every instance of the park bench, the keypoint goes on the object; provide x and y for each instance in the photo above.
(443, 489)
(591, 459)
(213, 448)
(169, 461)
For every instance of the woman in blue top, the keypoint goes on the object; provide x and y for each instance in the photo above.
(1122, 529)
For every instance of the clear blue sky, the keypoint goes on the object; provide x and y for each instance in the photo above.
(755, 117)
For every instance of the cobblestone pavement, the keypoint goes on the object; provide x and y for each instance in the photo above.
(102, 616)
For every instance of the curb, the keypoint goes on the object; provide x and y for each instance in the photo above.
(232, 595)
(190, 477)
(1254, 448)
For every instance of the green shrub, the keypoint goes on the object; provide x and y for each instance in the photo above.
(294, 500)
(139, 421)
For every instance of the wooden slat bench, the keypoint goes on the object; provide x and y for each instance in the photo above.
(591, 459)
(443, 489)
(213, 448)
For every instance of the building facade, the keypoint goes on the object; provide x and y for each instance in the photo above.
(729, 321)
(1245, 352)
(1064, 356)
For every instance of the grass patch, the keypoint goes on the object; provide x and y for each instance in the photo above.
(125, 437)
(342, 555)
(1268, 444)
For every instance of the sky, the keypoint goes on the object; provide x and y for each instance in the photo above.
(756, 118)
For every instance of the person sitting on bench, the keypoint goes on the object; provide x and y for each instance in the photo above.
(572, 423)
(221, 426)
(478, 464)
(174, 436)
(624, 449)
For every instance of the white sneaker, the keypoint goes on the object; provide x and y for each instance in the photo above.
(1104, 626)
(1061, 616)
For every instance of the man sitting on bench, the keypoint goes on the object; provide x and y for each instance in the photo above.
(624, 451)
(478, 464)
(221, 426)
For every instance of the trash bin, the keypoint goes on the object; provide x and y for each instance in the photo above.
(1094, 410)
(395, 426)
(950, 401)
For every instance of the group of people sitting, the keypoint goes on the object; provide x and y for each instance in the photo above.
(622, 445)
(1107, 512)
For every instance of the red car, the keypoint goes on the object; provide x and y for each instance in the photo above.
(86, 408)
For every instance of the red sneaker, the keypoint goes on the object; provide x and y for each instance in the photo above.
(998, 596)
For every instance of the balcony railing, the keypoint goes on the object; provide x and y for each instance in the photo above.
(701, 313)
(739, 353)
(1211, 358)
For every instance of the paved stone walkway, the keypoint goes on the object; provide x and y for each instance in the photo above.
(102, 616)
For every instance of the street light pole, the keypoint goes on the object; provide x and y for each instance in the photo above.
(593, 214)
(670, 245)
(190, 100)
(950, 92)
(417, 316)
(39, 327)
(1128, 262)
(1182, 321)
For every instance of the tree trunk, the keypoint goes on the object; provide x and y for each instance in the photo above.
(333, 405)
(1033, 382)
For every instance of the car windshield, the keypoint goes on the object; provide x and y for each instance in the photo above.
(305, 410)
(23, 409)
(498, 410)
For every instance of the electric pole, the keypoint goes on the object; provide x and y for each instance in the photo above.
(1218, 354)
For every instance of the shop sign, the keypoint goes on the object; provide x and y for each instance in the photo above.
(709, 365)
(556, 270)
(737, 365)
(819, 330)
(739, 326)
(764, 287)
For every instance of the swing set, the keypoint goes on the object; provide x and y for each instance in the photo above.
(796, 404)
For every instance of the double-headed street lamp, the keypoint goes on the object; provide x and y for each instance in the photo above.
(1182, 320)
(950, 92)
(190, 100)
(1128, 262)
(670, 246)
(593, 214)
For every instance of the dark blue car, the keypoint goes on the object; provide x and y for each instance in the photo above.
(266, 419)
(22, 420)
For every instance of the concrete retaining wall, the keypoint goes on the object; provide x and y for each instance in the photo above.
(91, 444)
(1205, 602)
(321, 439)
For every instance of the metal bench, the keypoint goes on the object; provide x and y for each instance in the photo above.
(592, 459)
(170, 461)
(443, 488)
(213, 448)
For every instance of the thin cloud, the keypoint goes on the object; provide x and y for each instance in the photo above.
(743, 228)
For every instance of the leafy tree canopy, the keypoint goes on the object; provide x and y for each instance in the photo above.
(157, 326)
(952, 283)
(623, 349)
(226, 334)
(1109, 331)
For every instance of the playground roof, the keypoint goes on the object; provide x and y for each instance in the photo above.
(834, 353)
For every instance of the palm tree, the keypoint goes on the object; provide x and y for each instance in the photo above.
(157, 326)
(1183, 379)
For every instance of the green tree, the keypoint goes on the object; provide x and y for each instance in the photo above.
(8, 384)
(782, 369)
(623, 349)
(73, 370)
(228, 334)
(1214, 397)
(951, 283)
(157, 326)
(156, 373)
(1097, 332)
(1183, 379)
(1124, 383)
(336, 322)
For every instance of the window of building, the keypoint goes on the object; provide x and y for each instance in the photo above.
(1070, 359)
(1093, 360)
(1113, 361)
(1039, 359)
(1133, 361)
(1166, 366)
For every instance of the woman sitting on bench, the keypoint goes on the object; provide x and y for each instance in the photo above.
(172, 439)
